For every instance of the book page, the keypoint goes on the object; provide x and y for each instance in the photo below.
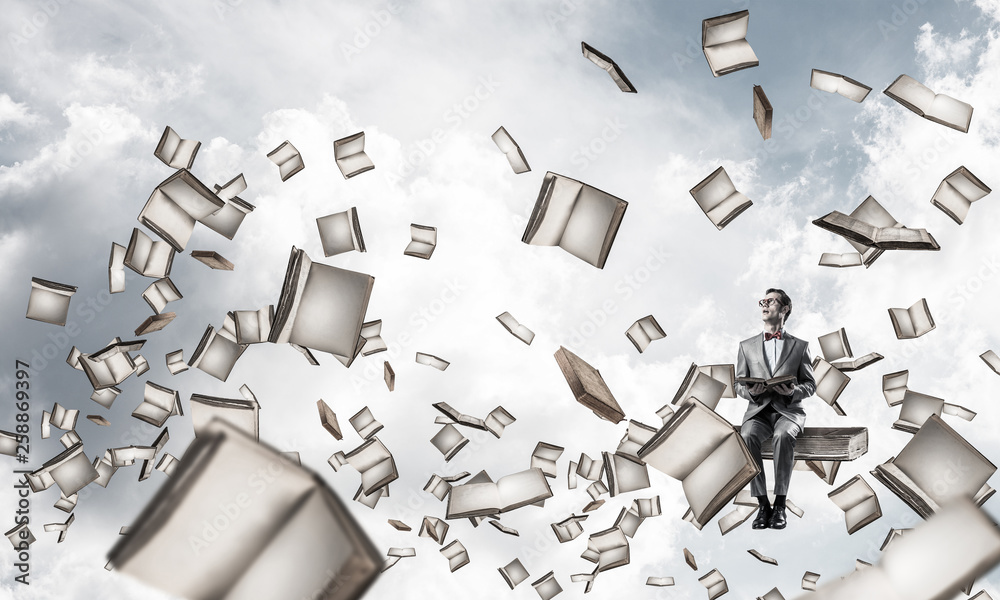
(729, 208)
(552, 210)
(951, 111)
(951, 201)
(920, 317)
(687, 443)
(901, 316)
(935, 454)
(957, 543)
(311, 552)
(912, 94)
(355, 164)
(709, 477)
(522, 488)
(725, 56)
(588, 224)
(917, 408)
(719, 30)
(473, 498)
(331, 310)
(713, 191)
(221, 468)
(861, 511)
(967, 184)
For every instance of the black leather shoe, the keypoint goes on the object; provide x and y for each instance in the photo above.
(777, 520)
(763, 518)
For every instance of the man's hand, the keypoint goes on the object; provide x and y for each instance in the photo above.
(756, 389)
(784, 389)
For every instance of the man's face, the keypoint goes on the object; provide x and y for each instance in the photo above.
(771, 313)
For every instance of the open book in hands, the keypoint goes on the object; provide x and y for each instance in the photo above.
(769, 384)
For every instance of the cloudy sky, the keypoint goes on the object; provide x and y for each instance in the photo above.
(88, 87)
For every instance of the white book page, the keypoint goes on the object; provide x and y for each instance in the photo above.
(920, 317)
(729, 54)
(933, 454)
(331, 310)
(684, 448)
(522, 487)
(558, 207)
(732, 204)
(950, 110)
(727, 32)
(715, 192)
(712, 474)
(474, 497)
(913, 92)
(904, 322)
(588, 224)
(951, 199)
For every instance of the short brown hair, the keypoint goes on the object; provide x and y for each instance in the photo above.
(783, 298)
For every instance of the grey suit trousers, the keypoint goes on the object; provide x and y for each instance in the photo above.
(759, 428)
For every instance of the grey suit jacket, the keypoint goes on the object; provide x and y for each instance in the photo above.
(794, 360)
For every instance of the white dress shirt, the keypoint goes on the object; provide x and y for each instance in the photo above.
(772, 350)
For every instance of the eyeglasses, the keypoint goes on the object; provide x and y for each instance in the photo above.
(768, 301)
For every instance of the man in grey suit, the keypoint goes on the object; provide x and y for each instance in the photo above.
(777, 410)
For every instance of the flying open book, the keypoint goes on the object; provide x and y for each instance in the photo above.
(956, 193)
(704, 452)
(835, 83)
(913, 322)
(508, 493)
(723, 40)
(322, 307)
(294, 519)
(580, 219)
(146, 257)
(341, 232)
(939, 108)
(847, 259)
(349, 153)
(858, 501)
(718, 198)
(509, 147)
(873, 213)
(49, 301)
(174, 151)
(916, 473)
(885, 238)
(288, 159)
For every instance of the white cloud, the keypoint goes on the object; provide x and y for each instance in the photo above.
(16, 113)
(939, 53)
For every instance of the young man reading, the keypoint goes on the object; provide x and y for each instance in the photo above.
(774, 410)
